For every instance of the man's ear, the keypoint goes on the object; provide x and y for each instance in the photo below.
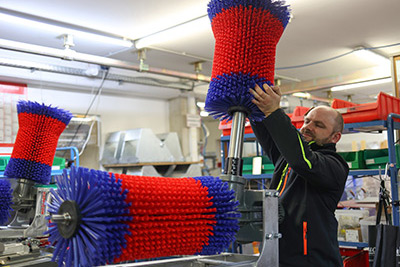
(336, 137)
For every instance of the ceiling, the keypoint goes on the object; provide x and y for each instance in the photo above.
(319, 30)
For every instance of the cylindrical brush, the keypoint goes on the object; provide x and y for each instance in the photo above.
(123, 217)
(40, 126)
(246, 34)
(5, 200)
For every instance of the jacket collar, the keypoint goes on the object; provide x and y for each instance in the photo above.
(314, 146)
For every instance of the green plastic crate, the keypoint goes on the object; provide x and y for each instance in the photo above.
(247, 165)
(267, 166)
(3, 162)
(355, 159)
(58, 163)
(375, 158)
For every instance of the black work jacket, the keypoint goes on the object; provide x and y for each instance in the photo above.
(311, 179)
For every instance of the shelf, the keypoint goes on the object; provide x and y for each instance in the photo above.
(127, 165)
(368, 126)
(365, 172)
(358, 245)
(258, 176)
(390, 125)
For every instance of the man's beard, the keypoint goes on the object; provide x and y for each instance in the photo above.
(316, 140)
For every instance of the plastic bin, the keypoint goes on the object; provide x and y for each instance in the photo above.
(58, 163)
(3, 162)
(349, 219)
(247, 165)
(226, 127)
(355, 159)
(379, 110)
(298, 116)
(364, 223)
(339, 103)
(375, 158)
(354, 257)
(267, 166)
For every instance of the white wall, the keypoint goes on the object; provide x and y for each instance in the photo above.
(116, 113)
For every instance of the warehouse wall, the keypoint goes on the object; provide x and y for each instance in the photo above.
(116, 113)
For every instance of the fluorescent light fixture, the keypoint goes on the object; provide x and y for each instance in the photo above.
(85, 119)
(58, 30)
(174, 32)
(201, 104)
(302, 95)
(203, 113)
(370, 55)
(360, 84)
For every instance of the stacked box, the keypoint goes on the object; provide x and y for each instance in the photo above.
(355, 159)
(375, 158)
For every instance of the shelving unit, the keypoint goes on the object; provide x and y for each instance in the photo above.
(74, 156)
(390, 125)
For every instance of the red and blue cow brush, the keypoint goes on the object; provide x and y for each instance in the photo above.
(5, 200)
(99, 217)
(40, 126)
(246, 35)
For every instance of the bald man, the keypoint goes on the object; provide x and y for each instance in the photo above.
(309, 175)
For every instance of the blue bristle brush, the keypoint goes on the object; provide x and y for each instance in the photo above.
(113, 222)
(40, 126)
(246, 34)
(97, 201)
(5, 200)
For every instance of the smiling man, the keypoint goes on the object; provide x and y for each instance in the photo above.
(309, 175)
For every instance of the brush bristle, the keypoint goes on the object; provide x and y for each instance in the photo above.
(5, 200)
(40, 126)
(154, 217)
(246, 34)
(226, 215)
(103, 225)
(178, 216)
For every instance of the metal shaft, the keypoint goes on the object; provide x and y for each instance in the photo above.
(237, 135)
(61, 218)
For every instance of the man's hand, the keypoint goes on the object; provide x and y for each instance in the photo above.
(267, 101)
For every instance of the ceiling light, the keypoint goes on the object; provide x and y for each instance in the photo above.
(302, 95)
(360, 84)
(371, 56)
(174, 32)
(201, 104)
(203, 113)
(60, 30)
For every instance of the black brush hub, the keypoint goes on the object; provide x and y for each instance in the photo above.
(69, 226)
(243, 109)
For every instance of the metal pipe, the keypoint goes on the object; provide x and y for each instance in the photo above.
(69, 54)
(237, 135)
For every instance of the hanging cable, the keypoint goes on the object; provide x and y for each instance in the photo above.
(335, 57)
(99, 90)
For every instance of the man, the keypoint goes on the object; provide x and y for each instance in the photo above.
(309, 175)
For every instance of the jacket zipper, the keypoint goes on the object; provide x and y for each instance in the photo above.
(305, 238)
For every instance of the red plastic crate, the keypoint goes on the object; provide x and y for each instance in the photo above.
(384, 105)
(354, 257)
(298, 116)
(226, 126)
(339, 103)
